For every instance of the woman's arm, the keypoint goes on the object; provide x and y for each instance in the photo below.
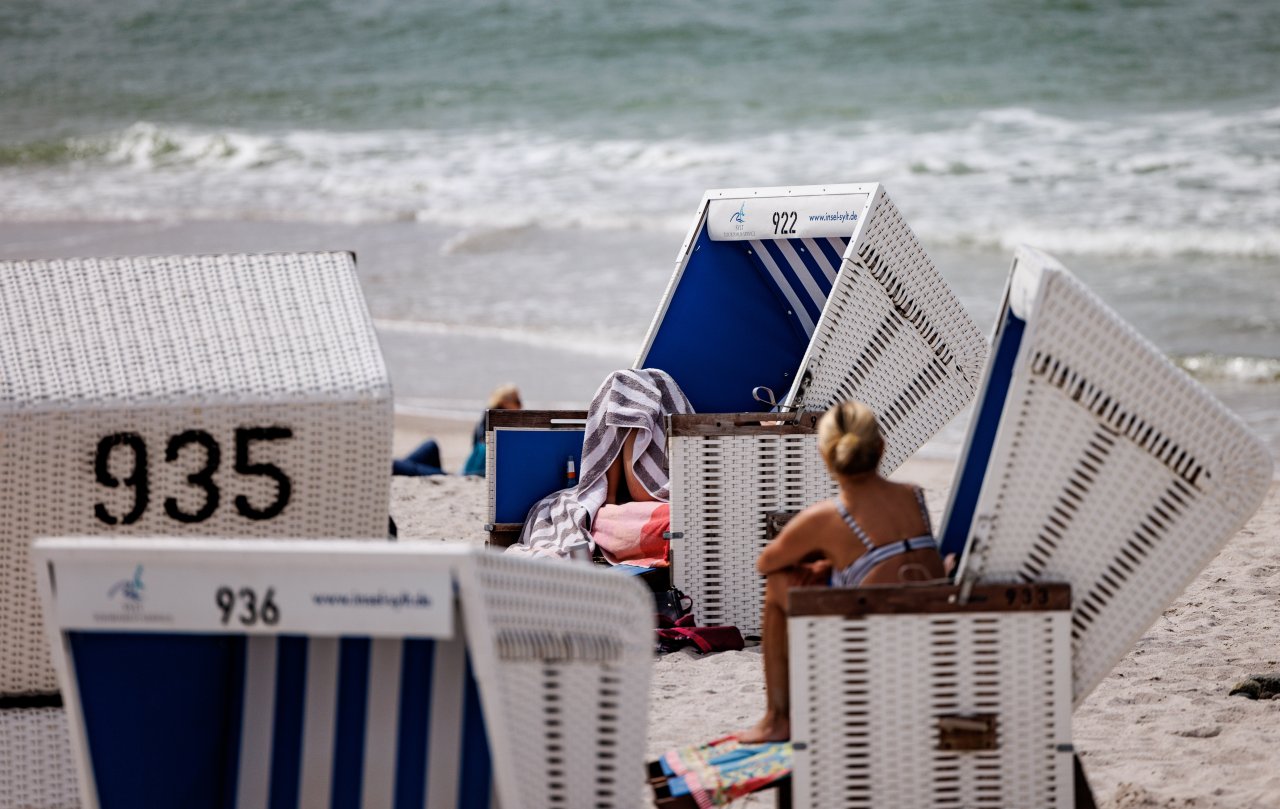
(798, 542)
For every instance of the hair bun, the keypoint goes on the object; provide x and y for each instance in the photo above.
(847, 448)
(849, 438)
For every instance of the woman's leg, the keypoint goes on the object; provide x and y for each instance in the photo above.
(776, 724)
(427, 454)
(423, 461)
(611, 476)
(634, 486)
(620, 470)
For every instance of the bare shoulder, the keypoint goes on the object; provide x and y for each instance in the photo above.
(809, 523)
(813, 515)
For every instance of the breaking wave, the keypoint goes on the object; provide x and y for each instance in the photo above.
(1156, 185)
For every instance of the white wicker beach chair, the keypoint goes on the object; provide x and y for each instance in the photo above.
(203, 673)
(910, 696)
(856, 310)
(1090, 461)
(229, 395)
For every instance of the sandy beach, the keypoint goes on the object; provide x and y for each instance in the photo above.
(1160, 731)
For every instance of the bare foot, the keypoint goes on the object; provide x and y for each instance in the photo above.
(768, 729)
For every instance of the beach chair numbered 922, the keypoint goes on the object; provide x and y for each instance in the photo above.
(287, 673)
(237, 395)
(819, 294)
(789, 300)
(1091, 463)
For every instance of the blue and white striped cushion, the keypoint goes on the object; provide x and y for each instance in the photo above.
(802, 272)
(281, 722)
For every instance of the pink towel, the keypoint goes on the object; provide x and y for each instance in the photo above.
(632, 533)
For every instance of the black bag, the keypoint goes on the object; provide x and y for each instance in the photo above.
(672, 604)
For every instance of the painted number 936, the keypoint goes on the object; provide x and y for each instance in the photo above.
(202, 449)
(252, 607)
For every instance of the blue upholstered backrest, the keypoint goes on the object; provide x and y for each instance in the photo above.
(529, 465)
(219, 721)
(982, 434)
(741, 316)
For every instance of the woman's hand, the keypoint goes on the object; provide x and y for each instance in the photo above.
(813, 573)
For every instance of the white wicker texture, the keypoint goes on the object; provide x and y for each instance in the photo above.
(892, 335)
(170, 329)
(123, 380)
(1112, 470)
(867, 693)
(562, 656)
(491, 473)
(722, 489)
(36, 764)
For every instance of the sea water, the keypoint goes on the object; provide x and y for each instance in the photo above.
(517, 176)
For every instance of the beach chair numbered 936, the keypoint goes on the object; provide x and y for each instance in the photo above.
(205, 674)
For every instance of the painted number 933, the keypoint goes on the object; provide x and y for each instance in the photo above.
(199, 451)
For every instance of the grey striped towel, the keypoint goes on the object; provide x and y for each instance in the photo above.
(629, 399)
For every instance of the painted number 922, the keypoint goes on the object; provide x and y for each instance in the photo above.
(784, 223)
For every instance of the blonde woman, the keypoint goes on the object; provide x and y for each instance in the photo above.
(875, 532)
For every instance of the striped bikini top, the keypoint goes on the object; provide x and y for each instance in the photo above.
(853, 575)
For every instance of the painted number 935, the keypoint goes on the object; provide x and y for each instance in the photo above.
(201, 450)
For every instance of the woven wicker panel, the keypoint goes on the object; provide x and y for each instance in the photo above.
(180, 352)
(336, 462)
(563, 655)
(181, 328)
(1112, 470)
(36, 765)
(893, 335)
(866, 695)
(722, 489)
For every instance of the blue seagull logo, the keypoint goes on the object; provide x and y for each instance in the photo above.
(130, 588)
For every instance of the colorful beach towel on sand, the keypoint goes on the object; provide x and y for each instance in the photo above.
(632, 533)
(725, 769)
(631, 399)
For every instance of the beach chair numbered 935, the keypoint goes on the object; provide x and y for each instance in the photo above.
(236, 395)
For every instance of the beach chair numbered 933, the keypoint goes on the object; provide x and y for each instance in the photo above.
(203, 674)
(1093, 464)
(236, 395)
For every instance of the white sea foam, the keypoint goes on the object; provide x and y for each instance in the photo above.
(1217, 368)
(1167, 184)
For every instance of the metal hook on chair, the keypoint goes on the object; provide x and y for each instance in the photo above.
(765, 396)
